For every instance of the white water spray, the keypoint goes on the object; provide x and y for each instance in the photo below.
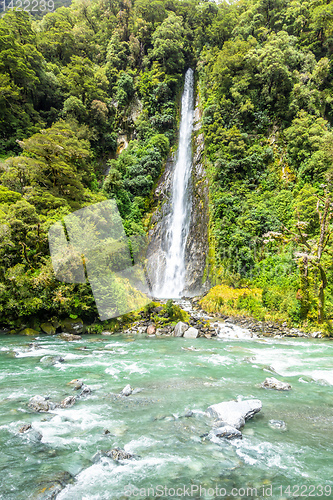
(173, 282)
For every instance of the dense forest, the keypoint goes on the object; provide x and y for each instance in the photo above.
(89, 109)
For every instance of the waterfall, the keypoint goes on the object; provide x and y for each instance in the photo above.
(172, 283)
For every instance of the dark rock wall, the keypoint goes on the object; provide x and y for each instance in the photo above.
(197, 241)
(196, 252)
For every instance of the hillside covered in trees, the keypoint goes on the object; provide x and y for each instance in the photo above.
(79, 84)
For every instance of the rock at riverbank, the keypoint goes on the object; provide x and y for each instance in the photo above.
(73, 326)
(180, 329)
(151, 329)
(48, 328)
(191, 333)
(29, 331)
(235, 413)
(277, 385)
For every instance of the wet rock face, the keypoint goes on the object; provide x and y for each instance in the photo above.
(157, 235)
(197, 241)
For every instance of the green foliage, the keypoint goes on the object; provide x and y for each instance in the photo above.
(125, 89)
(168, 44)
(174, 312)
(267, 120)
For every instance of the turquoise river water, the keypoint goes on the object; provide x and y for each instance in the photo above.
(173, 459)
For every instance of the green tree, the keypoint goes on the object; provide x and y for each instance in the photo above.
(168, 44)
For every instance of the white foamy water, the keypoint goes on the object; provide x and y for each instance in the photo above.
(172, 284)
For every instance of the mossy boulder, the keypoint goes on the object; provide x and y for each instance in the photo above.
(73, 326)
(48, 328)
(29, 331)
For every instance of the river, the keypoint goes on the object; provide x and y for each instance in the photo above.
(170, 449)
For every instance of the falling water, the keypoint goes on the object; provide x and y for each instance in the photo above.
(178, 223)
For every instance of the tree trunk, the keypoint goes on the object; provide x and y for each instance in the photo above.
(304, 289)
(321, 295)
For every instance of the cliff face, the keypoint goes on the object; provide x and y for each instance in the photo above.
(157, 234)
(196, 249)
(197, 242)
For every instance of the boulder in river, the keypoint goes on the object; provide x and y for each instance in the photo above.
(273, 383)
(279, 425)
(67, 402)
(48, 328)
(51, 360)
(24, 428)
(34, 436)
(226, 432)
(180, 328)
(49, 490)
(235, 413)
(85, 391)
(38, 403)
(118, 454)
(127, 390)
(69, 337)
(76, 383)
(191, 333)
